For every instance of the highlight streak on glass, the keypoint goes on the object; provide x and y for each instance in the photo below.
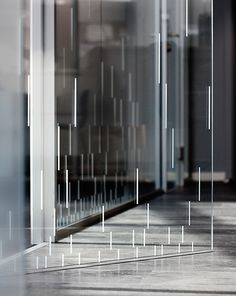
(199, 184)
(75, 102)
(58, 147)
(148, 218)
(189, 213)
(110, 240)
(209, 108)
(103, 218)
(41, 190)
(187, 18)
(28, 104)
(137, 186)
(166, 105)
(67, 190)
(168, 235)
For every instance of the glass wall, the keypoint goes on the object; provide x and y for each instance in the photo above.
(12, 154)
(107, 104)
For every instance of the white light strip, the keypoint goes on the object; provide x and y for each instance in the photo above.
(58, 147)
(159, 58)
(75, 103)
(28, 97)
(209, 108)
(133, 238)
(110, 240)
(168, 235)
(189, 213)
(137, 186)
(148, 216)
(102, 78)
(187, 18)
(199, 184)
(71, 244)
(67, 190)
(103, 218)
(166, 104)
(41, 190)
(10, 224)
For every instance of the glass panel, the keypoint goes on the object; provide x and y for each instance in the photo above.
(12, 156)
(108, 137)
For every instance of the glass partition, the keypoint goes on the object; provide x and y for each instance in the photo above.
(134, 104)
(107, 102)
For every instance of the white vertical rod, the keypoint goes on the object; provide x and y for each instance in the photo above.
(187, 18)
(199, 184)
(58, 147)
(162, 250)
(67, 190)
(189, 213)
(133, 238)
(137, 252)
(28, 103)
(110, 240)
(144, 237)
(155, 250)
(45, 262)
(182, 236)
(75, 102)
(71, 244)
(103, 218)
(10, 224)
(37, 262)
(137, 186)
(159, 58)
(212, 125)
(166, 104)
(62, 260)
(168, 235)
(148, 216)
(179, 248)
(209, 108)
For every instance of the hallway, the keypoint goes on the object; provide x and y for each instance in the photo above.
(205, 274)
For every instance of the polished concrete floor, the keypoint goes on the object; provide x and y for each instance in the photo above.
(208, 274)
